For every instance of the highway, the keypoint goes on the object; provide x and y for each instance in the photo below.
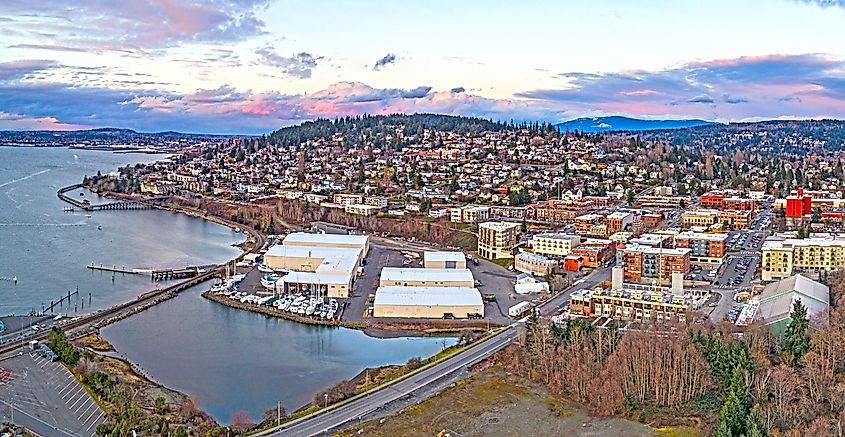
(323, 421)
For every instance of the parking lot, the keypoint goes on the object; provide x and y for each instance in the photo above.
(44, 397)
(491, 279)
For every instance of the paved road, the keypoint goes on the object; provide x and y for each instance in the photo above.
(47, 399)
(337, 417)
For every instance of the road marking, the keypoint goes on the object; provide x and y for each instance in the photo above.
(80, 398)
(72, 394)
(87, 410)
(80, 407)
(94, 422)
(66, 386)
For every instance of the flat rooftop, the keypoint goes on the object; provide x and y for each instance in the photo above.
(433, 275)
(428, 296)
(443, 256)
(302, 238)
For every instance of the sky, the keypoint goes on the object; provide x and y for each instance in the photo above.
(253, 66)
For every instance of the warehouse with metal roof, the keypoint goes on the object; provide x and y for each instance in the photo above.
(409, 277)
(776, 300)
(428, 302)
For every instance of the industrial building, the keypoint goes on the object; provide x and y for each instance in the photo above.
(410, 277)
(773, 307)
(322, 263)
(428, 302)
(329, 240)
(444, 260)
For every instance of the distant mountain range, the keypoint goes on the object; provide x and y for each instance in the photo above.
(619, 123)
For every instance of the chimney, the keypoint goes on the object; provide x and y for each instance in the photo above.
(677, 283)
(616, 278)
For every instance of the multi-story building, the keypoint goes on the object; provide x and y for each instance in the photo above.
(554, 244)
(735, 219)
(636, 302)
(725, 201)
(699, 217)
(782, 257)
(379, 201)
(348, 199)
(704, 248)
(646, 263)
(361, 209)
(534, 264)
(497, 239)
(585, 225)
(618, 221)
(594, 252)
(556, 211)
(799, 205)
(470, 214)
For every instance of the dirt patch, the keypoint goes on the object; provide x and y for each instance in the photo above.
(94, 342)
(495, 403)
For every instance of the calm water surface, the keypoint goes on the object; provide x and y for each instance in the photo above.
(48, 249)
(229, 359)
(235, 360)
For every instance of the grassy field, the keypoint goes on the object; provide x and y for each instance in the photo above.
(495, 403)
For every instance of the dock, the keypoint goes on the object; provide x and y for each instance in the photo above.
(114, 269)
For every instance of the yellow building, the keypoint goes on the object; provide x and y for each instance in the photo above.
(497, 239)
(699, 217)
(783, 257)
(558, 245)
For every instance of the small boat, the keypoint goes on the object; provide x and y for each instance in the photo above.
(88, 215)
(99, 227)
(264, 269)
(269, 281)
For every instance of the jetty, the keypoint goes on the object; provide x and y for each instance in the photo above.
(86, 205)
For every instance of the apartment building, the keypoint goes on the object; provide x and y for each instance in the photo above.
(636, 302)
(704, 248)
(590, 225)
(735, 219)
(348, 199)
(782, 257)
(618, 221)
(699, 217)
(556, 211)
(534, 264)
(497, 239)
(558, 245)
(470, 214)
(646, 263)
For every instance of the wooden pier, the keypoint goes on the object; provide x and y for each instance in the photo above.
(166, 275)
(114, 269)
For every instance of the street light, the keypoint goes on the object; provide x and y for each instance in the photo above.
(326, 397)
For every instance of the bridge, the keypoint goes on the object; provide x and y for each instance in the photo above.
(86, 205)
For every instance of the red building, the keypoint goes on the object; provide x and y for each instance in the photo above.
(799, 206)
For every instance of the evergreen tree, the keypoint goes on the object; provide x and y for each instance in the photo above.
(795, 339)
(756, 428)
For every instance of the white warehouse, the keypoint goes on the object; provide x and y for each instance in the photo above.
(428, 302)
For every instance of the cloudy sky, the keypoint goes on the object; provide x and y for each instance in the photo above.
(251, 66)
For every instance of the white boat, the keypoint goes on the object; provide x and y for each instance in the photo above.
(269, 281)
(237, 278)
(264, 269)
